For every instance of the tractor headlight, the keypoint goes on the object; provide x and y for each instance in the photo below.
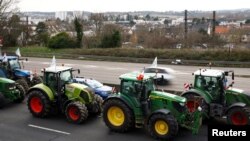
(199, 108)
(11, 87)
(182, 104)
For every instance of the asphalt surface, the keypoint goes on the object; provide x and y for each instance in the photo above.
(17, 124)
(109, 72)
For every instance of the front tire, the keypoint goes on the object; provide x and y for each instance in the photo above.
(38, 104)
(98, 101)
(238, 116)
(162, 126)
(24, 84)
(2, 101)
(76, 112)
(36, 80)
(21, 94)
(118, 116)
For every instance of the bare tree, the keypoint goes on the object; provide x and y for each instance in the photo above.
(97, 19)
(7, 7)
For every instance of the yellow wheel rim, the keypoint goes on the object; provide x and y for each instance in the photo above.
(161, 127)
(116, 116)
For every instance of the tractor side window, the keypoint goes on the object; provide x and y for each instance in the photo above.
(201, 82)
(14, 64)
(65, 76)
(127, 87)
(51, 80)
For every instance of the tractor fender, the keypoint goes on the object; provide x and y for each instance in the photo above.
(207, 97)
(238, 104)
(118, 98)
(160, 111)
(45, 89)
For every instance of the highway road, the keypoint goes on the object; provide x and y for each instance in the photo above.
(17, 124)
(109, 72)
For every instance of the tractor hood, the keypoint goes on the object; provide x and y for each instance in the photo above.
(22, 73)
(237, 91)
(168, 96)
(76, 85)
(5, 80)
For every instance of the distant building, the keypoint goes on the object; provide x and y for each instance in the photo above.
(78, 14)
(62, 15)
(222, 29)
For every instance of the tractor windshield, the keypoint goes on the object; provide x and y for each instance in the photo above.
(14, 64)
(207, 83)
(66, 76)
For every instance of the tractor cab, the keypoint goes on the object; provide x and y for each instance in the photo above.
(136, 87)
(12, 67)
(213, 82)
(57, 76)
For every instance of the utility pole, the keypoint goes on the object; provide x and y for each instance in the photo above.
(185, 28)
(27, 30)
(214, 20)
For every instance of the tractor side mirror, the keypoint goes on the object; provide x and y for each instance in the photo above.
(233, 76)
(226, 73)
(78, 71)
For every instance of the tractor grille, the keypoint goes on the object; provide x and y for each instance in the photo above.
(11, 86)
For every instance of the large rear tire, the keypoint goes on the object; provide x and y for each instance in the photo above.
(38, 104)
(23, 83)
(76, 112)
(118, 116)
(162, 126)
(193, 104)
(238, 116)
(21, 96)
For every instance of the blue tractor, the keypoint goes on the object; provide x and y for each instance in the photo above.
(10, 67)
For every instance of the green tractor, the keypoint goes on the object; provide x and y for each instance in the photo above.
(218, 98)
(10, 90)
(58, 93)
(139, 105)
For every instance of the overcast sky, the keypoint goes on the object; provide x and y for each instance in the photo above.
(130, 5)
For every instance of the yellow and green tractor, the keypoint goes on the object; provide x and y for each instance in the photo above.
(59, 93)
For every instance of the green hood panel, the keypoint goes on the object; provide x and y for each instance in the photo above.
(235, 90)
(44, 88)
(5, 80)
(168, 96)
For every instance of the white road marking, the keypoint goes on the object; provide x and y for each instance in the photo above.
(48, 129)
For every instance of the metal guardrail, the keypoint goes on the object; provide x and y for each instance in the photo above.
(138, 60)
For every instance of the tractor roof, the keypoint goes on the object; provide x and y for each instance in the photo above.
(9, 57)
(56, 69)
(209, 72)
(133, 76)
